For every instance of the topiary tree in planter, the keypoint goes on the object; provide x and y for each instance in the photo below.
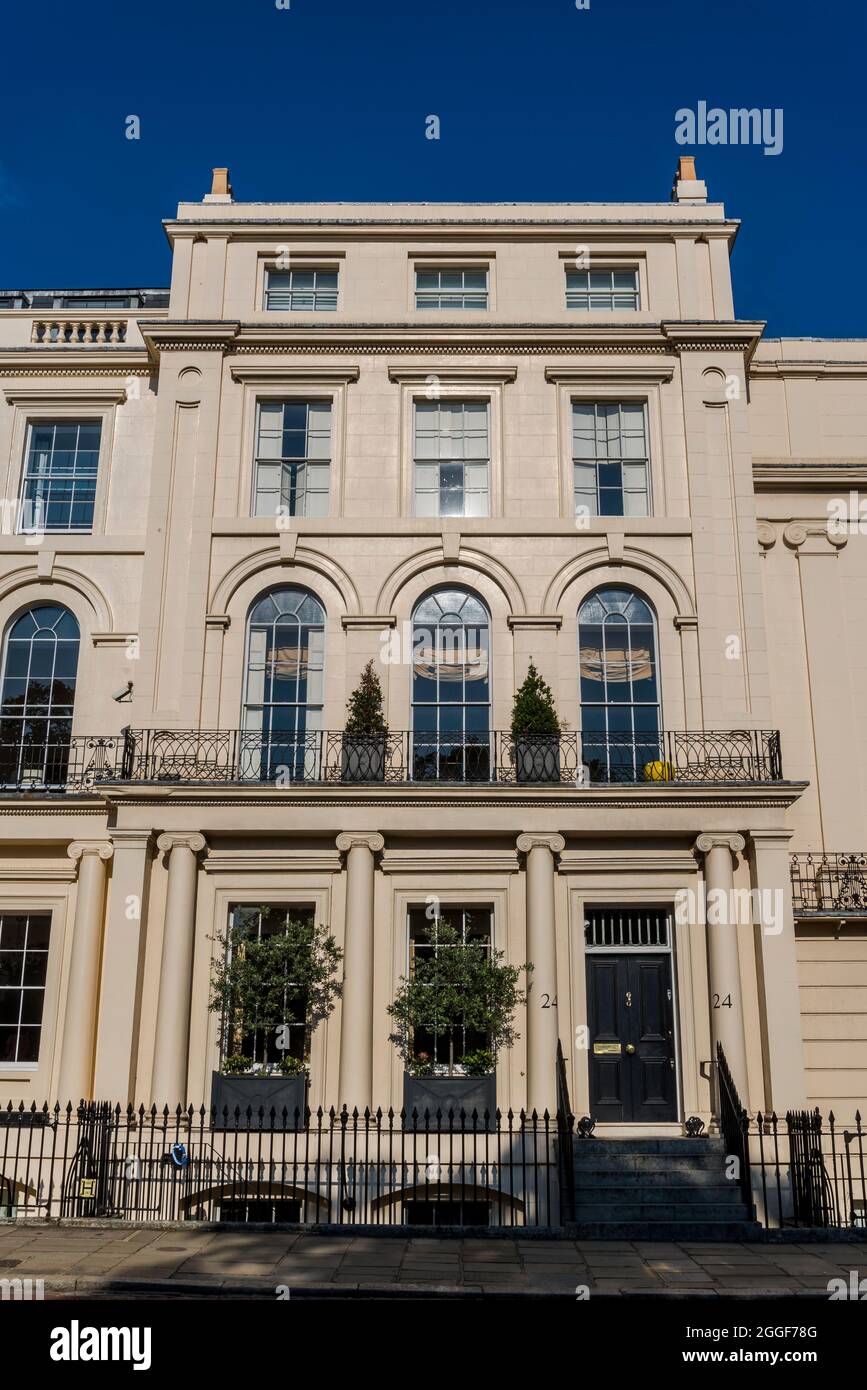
(365, 731)
(458, 988)
(535, 730)
(262, 983)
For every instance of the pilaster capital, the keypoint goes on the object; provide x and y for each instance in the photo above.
(79, 848)
(360, 839)
(815, 539)
(531, 840)
(720, 839)
(169, 840)
(775, 838)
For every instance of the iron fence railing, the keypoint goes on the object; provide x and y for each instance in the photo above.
(331, 1167)
(804, 1171)
(829, 883)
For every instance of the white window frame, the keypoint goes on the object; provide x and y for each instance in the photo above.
(303, 268)
(304, 464)
(437, 295)
(626, 491)
(423, 406)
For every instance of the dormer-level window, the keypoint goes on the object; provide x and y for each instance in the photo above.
(602, 289)
(301, 291)
(451, 289)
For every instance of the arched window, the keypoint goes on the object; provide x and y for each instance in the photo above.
(451, 689)
(40, 663)
(283, 686)
(619, 685)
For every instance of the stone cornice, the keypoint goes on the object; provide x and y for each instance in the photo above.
(808, 475)
(46, 395)
(733, 336)
(290, 861)
(453, 862)
(271, 374)
(626, 375)
(821, 367)
(626, 861)
(74, 361)
(417, 376)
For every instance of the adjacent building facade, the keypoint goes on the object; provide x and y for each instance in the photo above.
(455, 440)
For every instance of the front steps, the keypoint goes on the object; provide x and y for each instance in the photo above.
(657, 1189)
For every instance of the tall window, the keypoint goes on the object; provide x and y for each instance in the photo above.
(602, 289)
(283, 686)
(23, 967)
(300, 290)
(452, 458)
(620, 718)
(40, 664)
(242, 1035)
(610, 459)
(451, 691)
(451, 289)
(447, 1049)
(293, 457)
(60, 476)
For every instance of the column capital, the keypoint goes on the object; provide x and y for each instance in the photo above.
(720, 839)
(79, 848)
(773, 839)
(531, 840)
(123, 838)
(360, 839)
(193, 840)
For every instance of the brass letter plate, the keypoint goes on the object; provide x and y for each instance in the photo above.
(607, 1049)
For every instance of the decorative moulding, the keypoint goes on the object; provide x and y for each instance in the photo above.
(418, 376)
(49, 395)
(270, 373)
(627, 375)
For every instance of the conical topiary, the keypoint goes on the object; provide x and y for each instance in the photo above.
(364, 712)
(533, 713)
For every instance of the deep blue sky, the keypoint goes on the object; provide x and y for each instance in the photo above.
(537, 101)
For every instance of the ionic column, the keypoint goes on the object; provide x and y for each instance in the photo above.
(542, 1025)
(82, 992)
(356, 1027)
(169, 1085)
(724, 979)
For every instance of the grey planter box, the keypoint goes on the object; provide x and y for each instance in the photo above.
(265, 1093)
(537, 759)
(450, 1094)
(362, 758)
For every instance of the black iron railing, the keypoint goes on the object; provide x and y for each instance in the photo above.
(248, 756)
(237, 755)
(734, 1124)
(565, 1136)
(330, 1167)
(829, 883)
(66, 764)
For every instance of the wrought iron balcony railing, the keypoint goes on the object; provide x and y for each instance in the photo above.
(249, 756)
(829, 883)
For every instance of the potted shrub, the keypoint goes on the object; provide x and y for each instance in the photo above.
(535, 731)
(365, 731)
(271, 972)
(459, 988)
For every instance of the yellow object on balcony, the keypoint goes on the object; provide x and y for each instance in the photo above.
(659, 772)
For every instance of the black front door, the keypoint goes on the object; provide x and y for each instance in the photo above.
(631, 1020)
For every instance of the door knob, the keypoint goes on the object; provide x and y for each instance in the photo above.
(629, 1048)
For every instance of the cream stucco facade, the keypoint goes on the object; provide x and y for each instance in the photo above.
(757, 607)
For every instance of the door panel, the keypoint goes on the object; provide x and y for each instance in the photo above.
(631, 1019)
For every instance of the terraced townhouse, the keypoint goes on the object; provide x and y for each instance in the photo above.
(455, 440)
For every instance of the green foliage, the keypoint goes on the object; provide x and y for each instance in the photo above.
(533, 713)
(236, 1065)
(459, 985)
(289, 1065)
(258, 982)
(479, 1062)
(365, 714)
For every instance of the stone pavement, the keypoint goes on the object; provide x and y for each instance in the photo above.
(90, 1259)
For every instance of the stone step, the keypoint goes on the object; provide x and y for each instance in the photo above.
(677, 1168)
(676, 1147)
(726, 1194)
(699, 1179)
(676, 1212)
(727, 1231)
